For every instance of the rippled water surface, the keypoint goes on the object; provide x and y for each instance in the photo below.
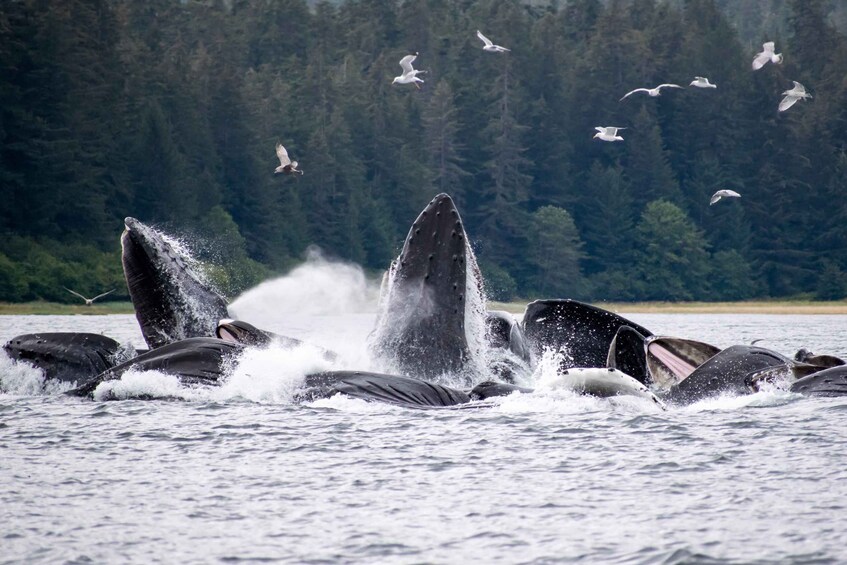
(242, 474)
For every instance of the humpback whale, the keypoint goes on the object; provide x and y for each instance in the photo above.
(581, 331)
(829, 382)
(429, 297)
(393, 389)
(172, 302)
(195, 361)
(725, 372)
(65, 356)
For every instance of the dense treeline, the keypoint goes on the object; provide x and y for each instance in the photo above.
(169, 111)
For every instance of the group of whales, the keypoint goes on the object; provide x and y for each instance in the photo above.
(429, 305)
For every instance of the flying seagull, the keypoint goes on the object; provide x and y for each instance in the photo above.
(286, 165)
(767, 55)
(88, 301)
(410, 75)
(490, 46)
(702, 82)
(651, 91)
(608, 133)
(793, 95)
(723, 194)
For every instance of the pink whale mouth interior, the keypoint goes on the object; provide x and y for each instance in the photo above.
(679, 366)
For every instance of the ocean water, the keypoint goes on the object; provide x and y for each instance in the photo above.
(239, 473)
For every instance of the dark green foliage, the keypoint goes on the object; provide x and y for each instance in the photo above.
(169, 111)
(555, 253)
(672, 260)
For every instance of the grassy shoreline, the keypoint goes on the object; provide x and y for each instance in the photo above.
(747, 307)
(55, 308)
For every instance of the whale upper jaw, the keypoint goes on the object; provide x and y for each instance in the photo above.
(171, 301)
(422, 323)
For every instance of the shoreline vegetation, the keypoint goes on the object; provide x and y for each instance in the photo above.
(744, 307)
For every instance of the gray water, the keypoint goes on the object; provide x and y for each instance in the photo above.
(242, 474)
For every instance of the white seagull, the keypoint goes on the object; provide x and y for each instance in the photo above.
(88, 301)
(410, 75)
(702, 82)
(767, 55)
(286, 165)
(489, 46)
(608, 133)
(652, 91)
(723, 194)
(793, 95)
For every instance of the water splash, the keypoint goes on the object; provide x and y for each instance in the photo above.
(19, 378)
(317, 287)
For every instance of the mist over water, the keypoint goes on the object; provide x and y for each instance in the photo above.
(317, 287)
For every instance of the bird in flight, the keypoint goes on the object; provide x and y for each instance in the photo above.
(88, 301)
(651, 91)
(410, 75)
(723, 194)
(702, 82)
(608, 133)
(793, 95)
(489, 46)
(766, 56)
(286, 165)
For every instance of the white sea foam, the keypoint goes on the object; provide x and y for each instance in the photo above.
(146, 384)
(20, 378)
(730, 402)
(271, 375)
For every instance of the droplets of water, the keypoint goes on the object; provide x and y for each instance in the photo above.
(23, 379)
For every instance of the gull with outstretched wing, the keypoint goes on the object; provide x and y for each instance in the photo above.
(286, 165)
(489, 46)
(651, 91)
(88, 301)
(410, 74)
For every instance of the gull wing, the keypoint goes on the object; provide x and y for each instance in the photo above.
(283, 155)
(634, 91)
(613, 131)
(768, 48)
(760, 60)
(600, 129)
(75, 293)
(715, 197)
(788, 102)
(484, 39)
(668, 85)
(799, 88)
(406, 63)
(104, 294)
(732, 193)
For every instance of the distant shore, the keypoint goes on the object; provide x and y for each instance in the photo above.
(748, 307)
(57, 309)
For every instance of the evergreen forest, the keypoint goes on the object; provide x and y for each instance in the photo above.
(169, 111)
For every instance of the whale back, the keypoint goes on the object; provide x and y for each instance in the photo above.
(64, 356)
